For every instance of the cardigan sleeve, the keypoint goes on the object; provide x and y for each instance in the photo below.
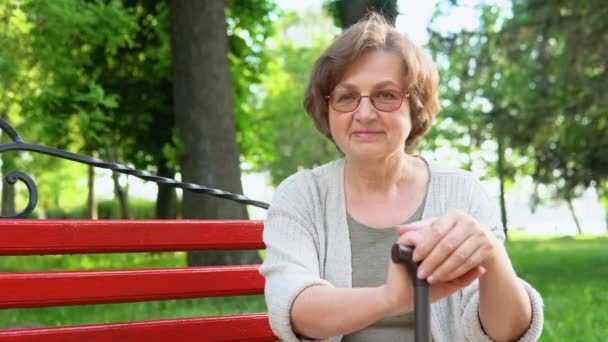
(483, 210)
(292, 261)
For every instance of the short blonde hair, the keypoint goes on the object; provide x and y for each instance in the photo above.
(371, 34)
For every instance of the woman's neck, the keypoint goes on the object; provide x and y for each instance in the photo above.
(381, 175)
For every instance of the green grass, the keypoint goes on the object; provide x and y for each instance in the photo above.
(570, 273)
(572, 276)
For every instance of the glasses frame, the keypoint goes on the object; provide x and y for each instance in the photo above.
(404, 94)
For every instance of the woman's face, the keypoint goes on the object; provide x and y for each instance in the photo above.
(367, 133)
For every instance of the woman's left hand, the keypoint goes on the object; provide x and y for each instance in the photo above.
(449, 246)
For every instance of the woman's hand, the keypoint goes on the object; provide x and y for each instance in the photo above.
(399, 289)
(398, 292)
(449, 246)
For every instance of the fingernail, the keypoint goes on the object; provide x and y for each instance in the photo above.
(415, 256)
(421, 274)
(431, 279)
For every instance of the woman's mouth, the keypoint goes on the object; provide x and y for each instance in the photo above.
(366, 134)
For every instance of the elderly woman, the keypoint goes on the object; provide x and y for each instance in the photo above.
(329, 230)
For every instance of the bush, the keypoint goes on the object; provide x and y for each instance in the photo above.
(106, 209)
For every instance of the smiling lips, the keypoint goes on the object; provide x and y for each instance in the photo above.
(366, 134)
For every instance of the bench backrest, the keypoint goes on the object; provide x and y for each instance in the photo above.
(44, 289)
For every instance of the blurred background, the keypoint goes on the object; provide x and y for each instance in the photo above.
(210, 92)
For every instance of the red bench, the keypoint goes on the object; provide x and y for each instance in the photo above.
(44, 289)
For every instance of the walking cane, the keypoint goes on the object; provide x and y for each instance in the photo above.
(422, 297)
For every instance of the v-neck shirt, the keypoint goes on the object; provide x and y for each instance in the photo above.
(370, 255)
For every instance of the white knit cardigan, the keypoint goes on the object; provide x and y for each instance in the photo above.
(307, 243)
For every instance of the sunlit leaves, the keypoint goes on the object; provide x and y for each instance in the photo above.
(543, 71)
(281, 137)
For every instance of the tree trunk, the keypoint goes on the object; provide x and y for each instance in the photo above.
(166, 199)
(8, 198)
(502, 175)
(91, 200)
(203, 113)
(119, 191)
(8, 190)
(602, 194)
(121, 195)
(574, 217)
(352, 11)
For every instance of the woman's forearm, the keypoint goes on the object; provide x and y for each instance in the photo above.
(321, 312)
(504, 306)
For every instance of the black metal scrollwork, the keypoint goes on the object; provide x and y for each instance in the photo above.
(19, 145)
(32, 190)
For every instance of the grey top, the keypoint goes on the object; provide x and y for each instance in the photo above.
(308, 243)
(369, 258)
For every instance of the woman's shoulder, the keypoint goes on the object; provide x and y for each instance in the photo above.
(448, 172)
(440, 168)
(455, 182)
(306, 182)
(303, 176)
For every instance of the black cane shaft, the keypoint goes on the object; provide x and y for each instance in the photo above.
(422, 296)
(422, 311)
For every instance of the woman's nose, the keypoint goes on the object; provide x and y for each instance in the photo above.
(365, 110)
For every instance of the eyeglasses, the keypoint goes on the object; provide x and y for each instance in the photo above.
(383, 100)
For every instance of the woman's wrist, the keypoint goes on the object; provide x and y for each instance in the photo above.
(497, 262)
(498, 257)
(391, 305)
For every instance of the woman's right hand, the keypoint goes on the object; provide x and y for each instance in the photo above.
(398, 292)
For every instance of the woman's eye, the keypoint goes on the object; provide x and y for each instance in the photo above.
(387, 95)
(347, 97)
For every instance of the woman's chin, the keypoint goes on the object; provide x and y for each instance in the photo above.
(367, 152)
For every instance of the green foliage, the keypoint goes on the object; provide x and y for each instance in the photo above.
(250, 25)
(59, 48)
(61, 188)
(566, 55)
(532, 80)
(335, 8)
(281, 138)
(107, 209)
(139, 128)
(96, 75)
(475, 92)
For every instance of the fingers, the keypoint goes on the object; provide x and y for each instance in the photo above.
(453, 252)
(447, 247)
(410, 238)
(467, 278)
(415, 225)
(433, 234)
(442, 290)
(474, 259)
(485, 248)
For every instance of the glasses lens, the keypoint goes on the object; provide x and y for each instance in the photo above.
(387, 100)
(344, 101)
(383, 100)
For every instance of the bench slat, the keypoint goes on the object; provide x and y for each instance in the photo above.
(249, 327)
(42, 289)
(34, 237)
